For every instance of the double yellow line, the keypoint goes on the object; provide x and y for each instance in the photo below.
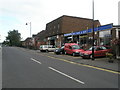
(115, 72)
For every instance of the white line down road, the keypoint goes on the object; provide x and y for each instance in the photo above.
(66, 75)
(60, 72)
(36, 61)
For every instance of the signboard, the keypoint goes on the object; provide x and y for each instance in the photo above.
(105, 27)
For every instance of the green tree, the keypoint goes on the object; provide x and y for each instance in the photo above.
(6, 42)
(14, 38)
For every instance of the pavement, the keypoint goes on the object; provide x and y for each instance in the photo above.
(101, 63)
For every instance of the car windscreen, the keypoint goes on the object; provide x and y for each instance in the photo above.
(41, 46)
(62, 47)
(75, 47)
(103, 48)
(90, 49)
(45, 46)
(107, 47)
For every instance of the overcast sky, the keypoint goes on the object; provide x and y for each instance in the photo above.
(14, 14)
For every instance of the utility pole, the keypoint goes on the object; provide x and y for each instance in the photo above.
(93, 33)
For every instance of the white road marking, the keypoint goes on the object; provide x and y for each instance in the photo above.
(35, 61)
(66, 75)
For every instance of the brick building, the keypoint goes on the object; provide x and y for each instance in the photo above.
(39, 39)
(27, 43)
(67, 24)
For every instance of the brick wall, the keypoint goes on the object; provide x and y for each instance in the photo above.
(72, 24)
(68, 24)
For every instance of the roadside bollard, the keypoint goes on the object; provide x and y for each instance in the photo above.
(110, 57)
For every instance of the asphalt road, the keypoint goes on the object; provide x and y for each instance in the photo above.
(23, 68)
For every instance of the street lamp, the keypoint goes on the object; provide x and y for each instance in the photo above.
(30, 27)
(93, 34)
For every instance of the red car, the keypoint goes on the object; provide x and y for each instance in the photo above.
(72, 48)
(99, 51)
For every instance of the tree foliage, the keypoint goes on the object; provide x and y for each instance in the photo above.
(14, 38)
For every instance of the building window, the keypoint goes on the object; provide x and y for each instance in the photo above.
(54, 27)
(105, 37)
(50, 28)
(58, 26)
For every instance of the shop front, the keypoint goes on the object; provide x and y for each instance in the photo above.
(105, 37)
(51, 40)
(55, 40)
(102, 36)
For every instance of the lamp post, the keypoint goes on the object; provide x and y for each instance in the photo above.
(93, 33)
(30, 27)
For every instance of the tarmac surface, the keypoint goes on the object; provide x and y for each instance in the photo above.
(24, 68)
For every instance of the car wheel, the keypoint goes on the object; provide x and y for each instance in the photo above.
(83, 57)
(65, 53)
(56, 53)
(90, 56)
(73, 54)
(46, 50)
(61, 53)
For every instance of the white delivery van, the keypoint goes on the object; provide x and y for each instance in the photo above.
(47, 48)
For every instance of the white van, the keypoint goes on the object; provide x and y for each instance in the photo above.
(47, 48)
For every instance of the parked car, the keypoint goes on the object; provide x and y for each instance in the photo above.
(73, 49)
(59, 50)
(99, 51)
(47, 48)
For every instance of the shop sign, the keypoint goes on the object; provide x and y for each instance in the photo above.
(69, 34)
(105, 27)
(104, 33)
(108, 35)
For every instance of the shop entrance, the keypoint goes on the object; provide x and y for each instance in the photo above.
(52, 42)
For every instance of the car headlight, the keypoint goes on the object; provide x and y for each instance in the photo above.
(86, 54)
(56, 50)
(76, 52)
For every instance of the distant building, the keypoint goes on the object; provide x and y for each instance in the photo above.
(39, 39)
(27, 43)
